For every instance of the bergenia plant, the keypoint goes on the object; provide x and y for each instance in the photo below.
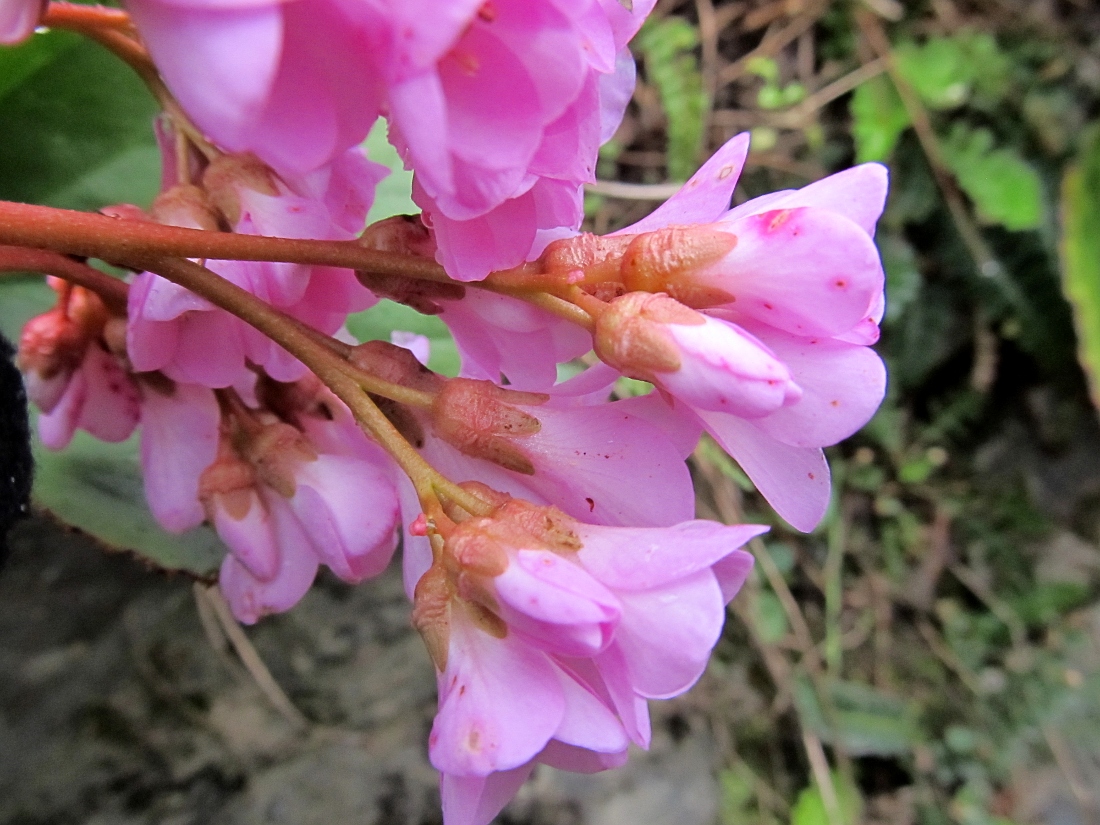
(550, 552)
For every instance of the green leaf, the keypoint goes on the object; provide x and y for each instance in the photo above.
(1005, 189)
(1080, 247)
(666, 45)
(380, 320)
(878, 119)
(939, 71)
(809, 808)
(97, 487)
(17, 63)
(77, 127)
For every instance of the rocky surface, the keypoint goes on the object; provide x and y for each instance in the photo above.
(116, 708)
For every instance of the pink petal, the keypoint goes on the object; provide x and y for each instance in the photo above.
(475, 800)
(683, 430)
(252, 599)
(556, 604)
(500, 702)
(179, 440)
(238, 50)
(418, 115)
(706, 196)
(794, 480)
(616, 91)
(732, 572)
(666, 634)
(499, 239)
(250, 539)
(858, 194)
(636, 559)
(806, 271)
(725, 369)
(111, 407)
(588, 723)
(601, 464)
(349, 510)
(843, 385)
(580, 760)
(18, 19)
(56, 427)
(632, 708)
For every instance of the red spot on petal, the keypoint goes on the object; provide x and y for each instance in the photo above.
(725, 172)
(780, 218)
(591, 504)
(811, 475)
(834, 403)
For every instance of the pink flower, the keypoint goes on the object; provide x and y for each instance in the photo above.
(549, 634)
(179, 440)
(18, 19)
(283, 507)
(292, 82)
(499, 107)
(792, 289)
(170, 328)
(74, 374)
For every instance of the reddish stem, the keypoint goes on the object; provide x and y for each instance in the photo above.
(80, 17)
(111, 290)
(129, 242)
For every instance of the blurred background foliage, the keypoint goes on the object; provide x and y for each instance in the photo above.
(932, 653)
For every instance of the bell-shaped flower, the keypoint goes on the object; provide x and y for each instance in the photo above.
(790, 281)
(170, 328)
(74, 374)
(549, 635)
(292, 82)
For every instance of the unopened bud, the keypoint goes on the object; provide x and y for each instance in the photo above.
(479, 419)
(631, 336)
(226, 175)
(51, 344)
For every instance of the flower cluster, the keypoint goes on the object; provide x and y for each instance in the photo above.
(549, 546)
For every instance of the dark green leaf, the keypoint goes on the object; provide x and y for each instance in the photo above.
(77, 128)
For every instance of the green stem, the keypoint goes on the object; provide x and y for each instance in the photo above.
(326, 365)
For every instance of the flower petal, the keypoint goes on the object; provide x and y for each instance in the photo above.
(794, 480)
(704, 198)
(500, 702)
